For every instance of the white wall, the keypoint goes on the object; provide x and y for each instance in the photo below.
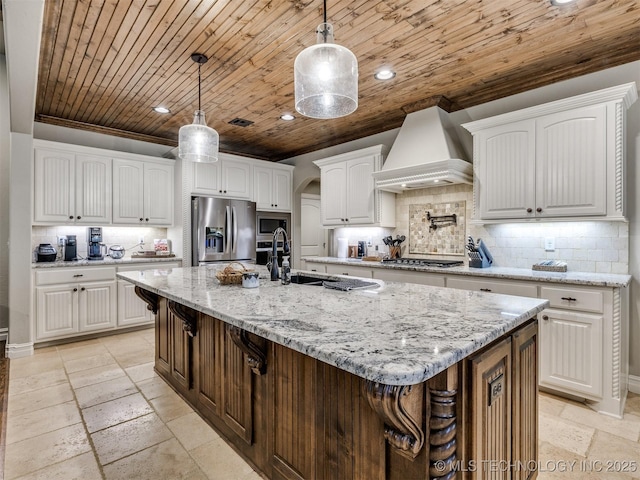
(5, 161)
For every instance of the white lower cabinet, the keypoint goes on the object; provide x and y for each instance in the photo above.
(571, 349)
(72, 301)
(421, 278)
(131, 309)
(520, 289)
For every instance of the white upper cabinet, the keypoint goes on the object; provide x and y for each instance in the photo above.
(272, 188)
(557, 160)
(142, 192)
(348, 193)
(71, 187)
(228, 177)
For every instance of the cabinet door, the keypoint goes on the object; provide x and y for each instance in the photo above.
(158, 194)
(56, 311)
(128, 192)
(571, 352)
(571, 152)
(491, 410)
(236, 178)
(54, 187)
(180, 353)
(262, 186)
(206, 178)
(506, 171)
(360, 191)
(282, 190)
(93, 190)
(97, 306)
(131, 310)
(363, 272)
(333, 199)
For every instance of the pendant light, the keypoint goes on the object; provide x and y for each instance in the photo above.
(197, 142)
(326, 77)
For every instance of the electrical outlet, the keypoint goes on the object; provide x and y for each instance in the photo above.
(549, 244)
(141, 240)
(61, 240)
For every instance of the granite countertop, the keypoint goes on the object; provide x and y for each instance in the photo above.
(575, 278)
(108, 261)
(396, 334)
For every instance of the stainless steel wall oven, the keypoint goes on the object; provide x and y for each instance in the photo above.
(266, 224)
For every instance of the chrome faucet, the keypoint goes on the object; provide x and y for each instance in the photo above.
(275, 269)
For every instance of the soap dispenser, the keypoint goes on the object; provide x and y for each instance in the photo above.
(285, 278)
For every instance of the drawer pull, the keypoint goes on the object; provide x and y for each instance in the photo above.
(568, 299)
(78, 275)
(485, 289)
(545, 317)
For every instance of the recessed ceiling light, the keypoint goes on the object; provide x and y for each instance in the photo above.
(287, 117)
(161, 110)
(384, 75)
(558, 3)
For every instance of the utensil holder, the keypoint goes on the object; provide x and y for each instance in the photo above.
(394, 252)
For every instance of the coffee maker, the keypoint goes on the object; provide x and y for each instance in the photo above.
(94, 243)
(70, 249)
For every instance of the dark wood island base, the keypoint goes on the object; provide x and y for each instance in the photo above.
(293, 417)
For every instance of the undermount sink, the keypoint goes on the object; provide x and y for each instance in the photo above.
(306, 280)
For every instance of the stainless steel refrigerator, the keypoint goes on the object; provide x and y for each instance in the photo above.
(222, 230)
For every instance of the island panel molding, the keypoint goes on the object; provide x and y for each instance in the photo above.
(187, 315)
(151, 299)
(442, 435)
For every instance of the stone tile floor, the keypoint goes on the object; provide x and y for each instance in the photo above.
(96, 410)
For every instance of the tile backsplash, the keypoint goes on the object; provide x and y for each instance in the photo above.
(128, 237)
(589, 246)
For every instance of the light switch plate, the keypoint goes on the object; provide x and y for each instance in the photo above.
(549, 244)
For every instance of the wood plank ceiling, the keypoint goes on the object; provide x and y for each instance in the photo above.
(105, 63)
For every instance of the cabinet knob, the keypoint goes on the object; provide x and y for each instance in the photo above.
(568, 299)
(225, 191)
(82, 289)
(485, 289)
(70, 217)
(146, 219)
(529, 210)
(276, 204)
(140, 219)
(545, 317)
(75, 289)
(219, 191)
(538, 209)
(78, 217)
(78, 275)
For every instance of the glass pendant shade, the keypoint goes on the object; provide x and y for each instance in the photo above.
(326, 78)
(197, 142)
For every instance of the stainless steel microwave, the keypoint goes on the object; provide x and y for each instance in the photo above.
(268, 222)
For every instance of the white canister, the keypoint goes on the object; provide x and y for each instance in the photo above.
(250, 280)
(343, 247)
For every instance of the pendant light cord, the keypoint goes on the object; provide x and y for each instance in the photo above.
(324, 31)
(199, 65)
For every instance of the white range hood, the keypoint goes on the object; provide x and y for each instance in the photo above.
(426, 153)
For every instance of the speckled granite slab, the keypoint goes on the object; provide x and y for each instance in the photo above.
(397, 334)
(107, 261)
(575, 278)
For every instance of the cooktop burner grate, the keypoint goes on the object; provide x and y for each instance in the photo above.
(425, 262)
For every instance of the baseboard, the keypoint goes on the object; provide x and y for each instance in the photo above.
(17, 350)
(634, 384)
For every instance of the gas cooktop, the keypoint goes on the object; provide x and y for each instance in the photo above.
(424, 262)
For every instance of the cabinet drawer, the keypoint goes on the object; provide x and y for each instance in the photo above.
(520, 289)
(147, 266)
(74, 275)
(421, 278)
(574, 299)
(349, 270)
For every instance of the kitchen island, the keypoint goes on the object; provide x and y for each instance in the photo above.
(393, 381)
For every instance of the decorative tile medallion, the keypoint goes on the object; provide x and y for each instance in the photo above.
(437, 228)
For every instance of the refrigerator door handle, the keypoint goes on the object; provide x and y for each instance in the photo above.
(234, 221)
(227, 233)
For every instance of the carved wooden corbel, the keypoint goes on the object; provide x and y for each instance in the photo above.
(442, 438)
(256, 357)
(400, 407)
(188, 316)
(151, 299)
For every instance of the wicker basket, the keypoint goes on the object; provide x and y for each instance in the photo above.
(232, 275)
